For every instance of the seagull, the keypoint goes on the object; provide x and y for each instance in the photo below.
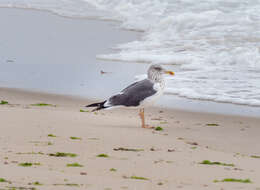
(139, 94)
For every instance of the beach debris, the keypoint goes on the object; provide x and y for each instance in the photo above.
(171, 150)
(113, 170)
(233, 180)
(75, 164)
(159, 183)
(135, 177)
(83, 110)
(155, 149)
(192, 143)
(29, 164)
(43, 104)
(157, 119)
(35, 183)
(158, 161)
(103, 155)
(41, 143)
(67, 184)
(238, 169)
(20, 188)
(254, 156)
(83, 173)
(51, 135)
(63, 154)
(207, 162)
(75, 138)
(33, 153)
(104, 72)
(128, 149)
(163, 122)
(3, 102)
(212, 124)
(93, 138)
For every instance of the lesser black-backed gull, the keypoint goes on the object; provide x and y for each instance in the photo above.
(139, 94)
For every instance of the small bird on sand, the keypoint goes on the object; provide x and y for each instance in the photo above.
(139, 94)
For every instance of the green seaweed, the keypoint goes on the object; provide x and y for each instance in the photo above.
(75, 138)
(254, 156)
(83, 110)
(20, 188)
(113, 170)
(103, 155)
(2, 180)
(63, 154)
(29, 164)
(233, 180)
(3, 102)
(51, 135)
(33, 153)
(36, 183)
(43, 104)
(139, 178)
(75, 164)
(163, 122)
(207, 162)
(158, 128)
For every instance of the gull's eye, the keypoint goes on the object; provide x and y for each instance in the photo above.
(158, 68)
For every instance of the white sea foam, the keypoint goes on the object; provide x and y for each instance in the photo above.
(214, 43)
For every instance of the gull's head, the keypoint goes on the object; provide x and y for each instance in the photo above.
(155, 73)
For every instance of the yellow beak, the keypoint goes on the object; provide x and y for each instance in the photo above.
(170, 72)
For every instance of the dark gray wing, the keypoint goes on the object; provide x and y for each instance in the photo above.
(133, 94)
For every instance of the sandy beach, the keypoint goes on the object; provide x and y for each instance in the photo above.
(137, 158)
(51, 141)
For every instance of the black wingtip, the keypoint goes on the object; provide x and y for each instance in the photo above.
(99, 106)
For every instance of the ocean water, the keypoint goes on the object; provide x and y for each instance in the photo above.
(214, 46)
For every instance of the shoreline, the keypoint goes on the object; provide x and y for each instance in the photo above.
(162, 105)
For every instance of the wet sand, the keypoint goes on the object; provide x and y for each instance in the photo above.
(167, 159)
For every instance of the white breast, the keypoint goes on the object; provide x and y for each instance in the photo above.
(159, 87)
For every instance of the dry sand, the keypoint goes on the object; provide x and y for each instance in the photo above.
(167, 159)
